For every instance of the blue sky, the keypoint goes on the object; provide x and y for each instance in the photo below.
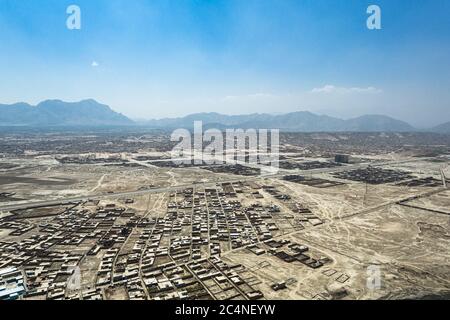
(162, 58)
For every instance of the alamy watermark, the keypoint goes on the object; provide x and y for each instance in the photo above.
(73, 21)
(373, 277)
(374, 20)
(257, 147)
(74, 281)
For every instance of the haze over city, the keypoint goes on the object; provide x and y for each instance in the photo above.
(224, 155)
(155, 59)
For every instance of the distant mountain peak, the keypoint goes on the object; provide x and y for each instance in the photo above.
(442, 128)
(60, 113)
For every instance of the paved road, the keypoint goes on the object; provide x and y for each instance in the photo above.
(129, 194)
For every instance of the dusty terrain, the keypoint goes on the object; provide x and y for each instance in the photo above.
(135, 228)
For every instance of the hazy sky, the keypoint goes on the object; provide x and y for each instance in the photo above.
(155, 58)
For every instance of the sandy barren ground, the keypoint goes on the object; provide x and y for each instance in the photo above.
(363, 227)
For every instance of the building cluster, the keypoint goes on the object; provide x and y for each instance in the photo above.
(374, 175)
(235, 169)
(307, 165)
(46, 271)
(297, 252)
(90, 159)
(90, 249)
(12, 283)
(342, 158)
(302, 214)
(18, 227)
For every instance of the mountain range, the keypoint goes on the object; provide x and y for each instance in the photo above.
(302, 121)
(60, 113)
(91, 113)
(443, 128)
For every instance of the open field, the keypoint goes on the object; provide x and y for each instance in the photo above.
(134, 225)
